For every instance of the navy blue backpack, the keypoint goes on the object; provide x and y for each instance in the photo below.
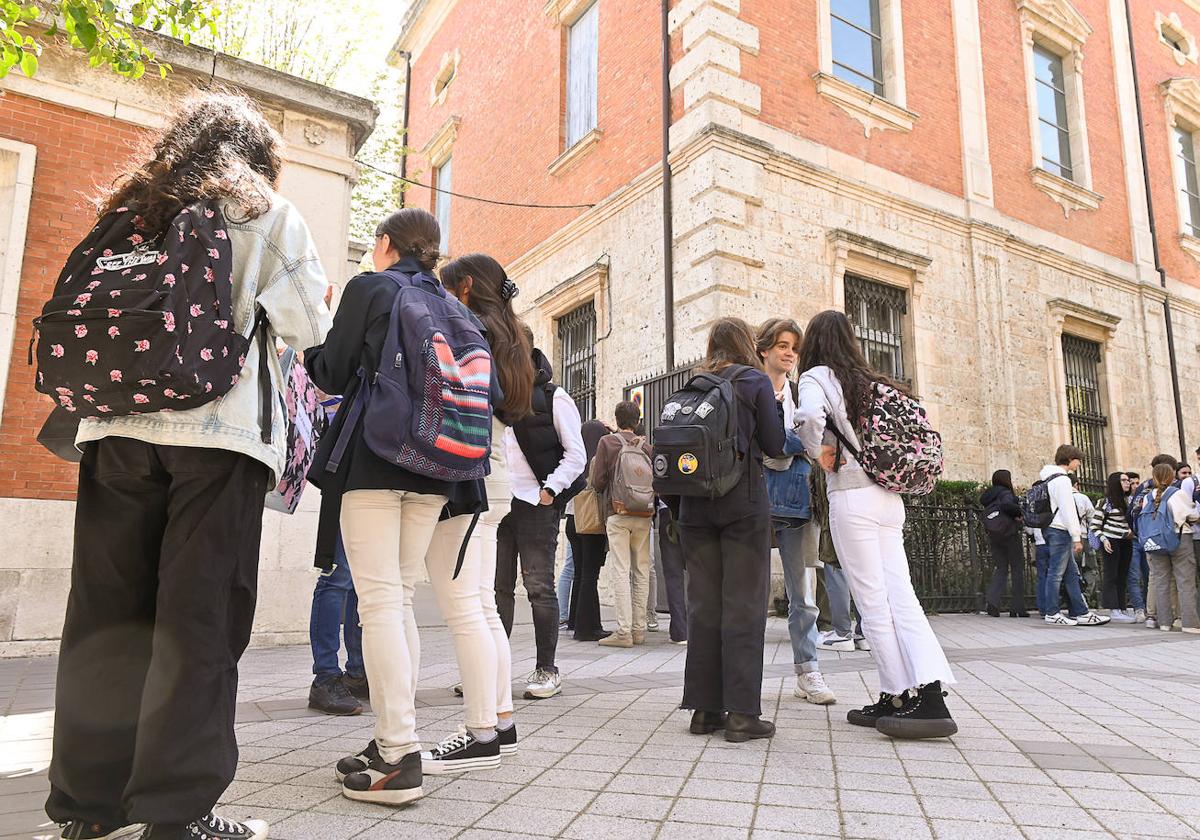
(1156, 530)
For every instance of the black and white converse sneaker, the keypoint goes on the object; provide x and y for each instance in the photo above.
(887, 704)
(924, 715)
(210, 827)
(507, 739)
(386, 784)
(81, 830)
(356, 763)
(459, 753)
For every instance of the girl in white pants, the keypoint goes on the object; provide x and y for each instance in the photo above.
(866, 523)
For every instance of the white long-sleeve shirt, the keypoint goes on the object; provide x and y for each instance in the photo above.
(567, 422)
(1062, 501)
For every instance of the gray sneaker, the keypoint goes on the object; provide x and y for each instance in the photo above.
(543, 684)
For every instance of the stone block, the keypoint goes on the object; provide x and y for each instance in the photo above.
(723, 86)
(712, 20)
(42, 603)
(708, 52)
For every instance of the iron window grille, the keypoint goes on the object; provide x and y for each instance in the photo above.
(577, 340)
(1054, 125)
(1186, 144)
(877, 312)
(1085, 409)
(857, 36)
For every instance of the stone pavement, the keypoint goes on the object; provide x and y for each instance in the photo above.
(1063, 733)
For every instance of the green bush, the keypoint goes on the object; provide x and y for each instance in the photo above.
(953, 494)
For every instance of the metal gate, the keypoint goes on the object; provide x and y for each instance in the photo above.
(577, 338)
(1085, 411)
(655, 390)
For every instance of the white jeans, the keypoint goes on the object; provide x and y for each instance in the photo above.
(866, 525)
(629, 550)
(387, 534)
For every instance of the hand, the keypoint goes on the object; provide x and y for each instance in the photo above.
(1078, 547)
(545, 498)
(1107, 546)
(329, 295)
(827, 458)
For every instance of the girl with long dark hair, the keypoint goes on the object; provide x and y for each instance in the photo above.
(169, 506)
(866, 522)
(728, 545)
(1111, 523)
(1002, 521)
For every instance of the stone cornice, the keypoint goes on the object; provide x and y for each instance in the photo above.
(438, 147)
(1069, 195)
(874, 112)
(421, 23)
(1057, 20)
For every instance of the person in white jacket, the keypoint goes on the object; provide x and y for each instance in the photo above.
(1064, 537)
(866, 523)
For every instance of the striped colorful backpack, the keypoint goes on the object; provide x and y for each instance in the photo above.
(427, 407)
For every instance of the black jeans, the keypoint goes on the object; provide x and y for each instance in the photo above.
(163, 587)
(589, 551)
(530, 533)
(671, 554)
(1116, 573)
(1008, 556)
(728, 547)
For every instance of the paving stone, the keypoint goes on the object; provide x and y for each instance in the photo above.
(884, 827)
(313, 824)
(1051, 816)
(396, 830)
(524, 820)
(690, 831)
(634, 806)
(957, 808)
(794, 796)
(971, 830)
(1158, 825)
(804, 820)
(705, 812)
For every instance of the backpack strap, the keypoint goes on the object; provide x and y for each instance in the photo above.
(462, 549)
(262, 331)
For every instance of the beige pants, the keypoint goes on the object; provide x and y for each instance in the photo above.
(629, 552)
(1178, 567)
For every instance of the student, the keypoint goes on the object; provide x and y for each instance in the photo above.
(1087, 560)
(628, 531)
(169, 511)
(545, 456)
(388, 513)
(590, 551)
(1178, 566)
(1141, 596)
(777, 343)
(999, 503)
(1111, 523)
(334, 616)
(866, 522)
(1064, 540)
(727, 542)
(666, 542)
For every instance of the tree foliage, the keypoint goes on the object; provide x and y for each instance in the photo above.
(106, 31)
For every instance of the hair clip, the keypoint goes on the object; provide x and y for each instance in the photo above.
(508, 290)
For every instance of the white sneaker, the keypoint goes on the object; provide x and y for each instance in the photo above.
(811, 686)
(861, 643)
(1092, 619)
(832, 641)
(543, 684)
(1139, 616)
(1151, 622)
(1191, 629)
(1060, 619)
(1121, 617)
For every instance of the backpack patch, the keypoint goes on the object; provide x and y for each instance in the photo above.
(899, 449)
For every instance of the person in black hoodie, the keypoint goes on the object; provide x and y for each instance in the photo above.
(1003, 515)
(589, 551)
(727, 542)
(388, 514)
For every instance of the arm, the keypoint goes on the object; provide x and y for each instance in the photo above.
(574, 459)
(792, 444)
(1064, 503)
(602, 464)
(811, 412)
(334, 364)
(294, 296)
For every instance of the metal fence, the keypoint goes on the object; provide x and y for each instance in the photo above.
(654, 391)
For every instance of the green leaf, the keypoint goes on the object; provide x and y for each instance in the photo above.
(29, 64)
(53, 30)
(86, 33)
(163, 71)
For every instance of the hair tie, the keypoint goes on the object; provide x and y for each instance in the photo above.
(508, 290)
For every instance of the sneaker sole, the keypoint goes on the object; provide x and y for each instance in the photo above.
(460, 765)
(331, 713)
(854, 718)
(862, 646)
(743, 737)
(529, 695)
(840, 647)
(508, 749)
(804, 695)
(895, 727)
(384, 797)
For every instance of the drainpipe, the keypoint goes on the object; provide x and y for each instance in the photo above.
(1162, 274)
(404, 127)
(667, 223)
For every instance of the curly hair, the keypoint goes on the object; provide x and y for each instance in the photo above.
(218, 146)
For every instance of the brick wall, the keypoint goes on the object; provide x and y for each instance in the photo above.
(75, 152)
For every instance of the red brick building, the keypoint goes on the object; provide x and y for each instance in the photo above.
(963, 177)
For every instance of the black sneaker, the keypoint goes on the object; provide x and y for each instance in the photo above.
(329, 695)
(887, 704)
(507, 739)
(80, 830)
(386, 784)
(740, 728)
(357, 686)
(210, 827)
(924, 716)
(706, 723)
(356, 763)
(459, 753)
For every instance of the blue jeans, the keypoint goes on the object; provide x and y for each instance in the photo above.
(335, 604)
(1139, 573)
(1062, 569)
(837, 592)
(802, 610)
(565, 579)
(1041, 554)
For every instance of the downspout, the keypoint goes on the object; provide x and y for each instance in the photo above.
(404, 126)
(667, 222)
(1162, 274)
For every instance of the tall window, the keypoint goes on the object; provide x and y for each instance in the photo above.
(877, 312)
(442, 202)
(858, 43)
(1185, 149)
(577, 338)
(582, 72)
(1085, 409)
(1054, 128)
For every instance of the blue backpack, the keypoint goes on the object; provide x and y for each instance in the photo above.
(427, 408)
(1156, 529)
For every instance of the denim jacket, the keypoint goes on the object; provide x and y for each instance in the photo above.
(789, 489)
(275, 266)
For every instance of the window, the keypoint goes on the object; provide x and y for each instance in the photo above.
(442, 202)
(1085, 413)
(577, 340)
(1185, 150)
(877, 312)
(857, 36)
(582, 73)
(1054, 128)
(16, 188)
(1177, 38)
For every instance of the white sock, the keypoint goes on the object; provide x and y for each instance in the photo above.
(484, 736)
(505, 725)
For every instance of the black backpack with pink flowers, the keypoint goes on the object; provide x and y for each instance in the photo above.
(142, 322)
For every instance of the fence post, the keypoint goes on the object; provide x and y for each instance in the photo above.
(973, 554)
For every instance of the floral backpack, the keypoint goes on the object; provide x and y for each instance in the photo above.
(900, 451)
(306, 422)
(141, 322)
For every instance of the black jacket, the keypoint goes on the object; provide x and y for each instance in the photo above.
(1002, 497)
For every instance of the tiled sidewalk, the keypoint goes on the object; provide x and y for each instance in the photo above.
(1063, 733)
